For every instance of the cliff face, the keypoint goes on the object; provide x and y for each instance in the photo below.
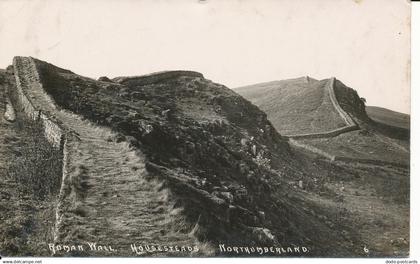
(224, 162)
(350, 101)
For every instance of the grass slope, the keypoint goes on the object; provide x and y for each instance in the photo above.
(388, 117)
(295, 106)
(30, 172)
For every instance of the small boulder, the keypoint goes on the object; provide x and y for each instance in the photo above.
(263, 235)
(10, 114)
(227, 196)
(104, 79)
(301, 184)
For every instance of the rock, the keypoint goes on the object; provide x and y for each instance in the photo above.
(132, 141)
(9, 114)
(117, 137)
(254, 150)
(263, 235)
(147, 128)
(300, 184)
(165, 113)
(227, 196)
(244, 142)
(104, 79)
(399, 242)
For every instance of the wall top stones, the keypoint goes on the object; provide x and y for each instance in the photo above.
(35, 102)
(156, 77)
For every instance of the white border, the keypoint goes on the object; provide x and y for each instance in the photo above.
(415, 190)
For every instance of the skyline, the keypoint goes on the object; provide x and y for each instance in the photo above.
(365, 44)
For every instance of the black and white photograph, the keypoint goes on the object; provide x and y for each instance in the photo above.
(204, 128)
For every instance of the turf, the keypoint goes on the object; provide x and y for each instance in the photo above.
(295, 106)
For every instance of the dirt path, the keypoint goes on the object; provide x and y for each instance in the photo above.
(117, 205)
(113, 203)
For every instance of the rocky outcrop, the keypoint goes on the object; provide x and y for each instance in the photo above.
(155, 77)
(349, 101)
(9, 114)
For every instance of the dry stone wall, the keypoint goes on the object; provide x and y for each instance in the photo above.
(56, 133)
(27, 78)
(349, 121)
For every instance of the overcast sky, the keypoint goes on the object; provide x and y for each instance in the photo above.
(363, 43)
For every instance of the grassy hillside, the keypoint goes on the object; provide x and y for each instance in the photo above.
(383, 137)
(388, 117)
(365, 144)
(295, 106)
(29, 174)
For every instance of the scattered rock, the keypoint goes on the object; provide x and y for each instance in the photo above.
(9, 114)
(300, 184)
(104, 79)
(227, 196)
(264, 235)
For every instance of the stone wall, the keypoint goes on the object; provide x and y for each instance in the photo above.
(55, 132)
(27, 78)
(349, 121)
(331, 133)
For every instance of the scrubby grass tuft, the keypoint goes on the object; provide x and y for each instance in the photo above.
(38, 165)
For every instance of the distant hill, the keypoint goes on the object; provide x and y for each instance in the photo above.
(388, 117)
(303, 105)
(295, 106)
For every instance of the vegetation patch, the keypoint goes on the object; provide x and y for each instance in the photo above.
(38, 165)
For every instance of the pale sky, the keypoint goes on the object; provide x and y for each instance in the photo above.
(364, 43)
